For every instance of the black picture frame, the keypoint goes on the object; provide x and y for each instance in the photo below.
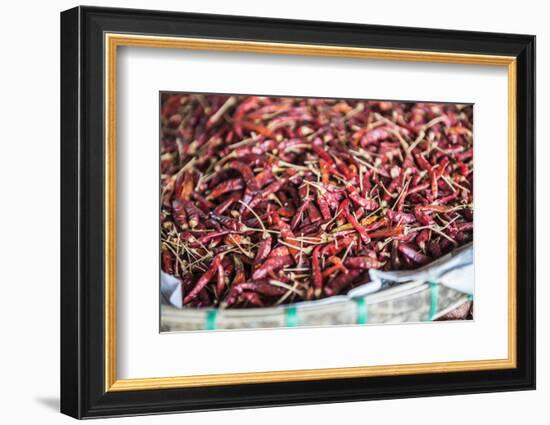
(83, 392)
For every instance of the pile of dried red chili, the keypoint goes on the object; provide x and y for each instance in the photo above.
(276, 200)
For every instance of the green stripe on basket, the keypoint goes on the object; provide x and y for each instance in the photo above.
(362, 311)
(291, 318)
(434, 292)
(210, 322)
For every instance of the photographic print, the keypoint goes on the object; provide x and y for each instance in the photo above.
(285, 211)
(320, 214)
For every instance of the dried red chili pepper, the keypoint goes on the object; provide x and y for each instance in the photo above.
(205, 278)
(278, 258)
(179, 214)
(261, 287)
(316, 271)
(222, 207)
(203, 203)
(323, 207)
(226, 186)
(413, 254)
(221, 279)
(400, 217)
(247, 174)
(287, 236)
(362, 263)
(240, 275)
(353, 221)
(263, 251)
(262, 196)
(338, 266)
(340, 282)
(194, 214)
(167, 262)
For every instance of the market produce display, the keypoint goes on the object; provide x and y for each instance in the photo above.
(274, 200)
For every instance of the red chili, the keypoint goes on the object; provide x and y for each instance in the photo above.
(203, 203)
(205, 239)
(298, 215)
(223, 206)
(401, 217)
(272, 264)
(316, 271)
(221, 279)
(247, 174)
(313, 213)
(362, 263)
(240, 276)
(226, 186)
(287, 235)
(261, 287)
(351, 219)
(338, 266)
(205, 278)
(375, 135)
(167, 262)
(368, 204)
(263, 250)
(318, 148)
(323, 207)
(179, 214)
(194, 214)
(388, 232)
(340, 282)
(271, 189)
(465, 227)
(413, 254)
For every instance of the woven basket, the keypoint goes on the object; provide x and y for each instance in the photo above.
(409, 302)
(420, 295)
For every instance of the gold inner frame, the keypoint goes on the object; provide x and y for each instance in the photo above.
(113, 41)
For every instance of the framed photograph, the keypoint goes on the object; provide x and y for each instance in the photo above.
(261, 212)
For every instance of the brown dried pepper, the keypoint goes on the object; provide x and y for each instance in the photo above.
(221, 279)
(226, 186)
(362, 263)
(222, 207)
(194, 214)
(353, 221)
(277, 259)
(316, 271)
(263, 250)
(341, 281)
(413, 254)
(247, 174)
(204, 279)
(261, 287)
(179, 214)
